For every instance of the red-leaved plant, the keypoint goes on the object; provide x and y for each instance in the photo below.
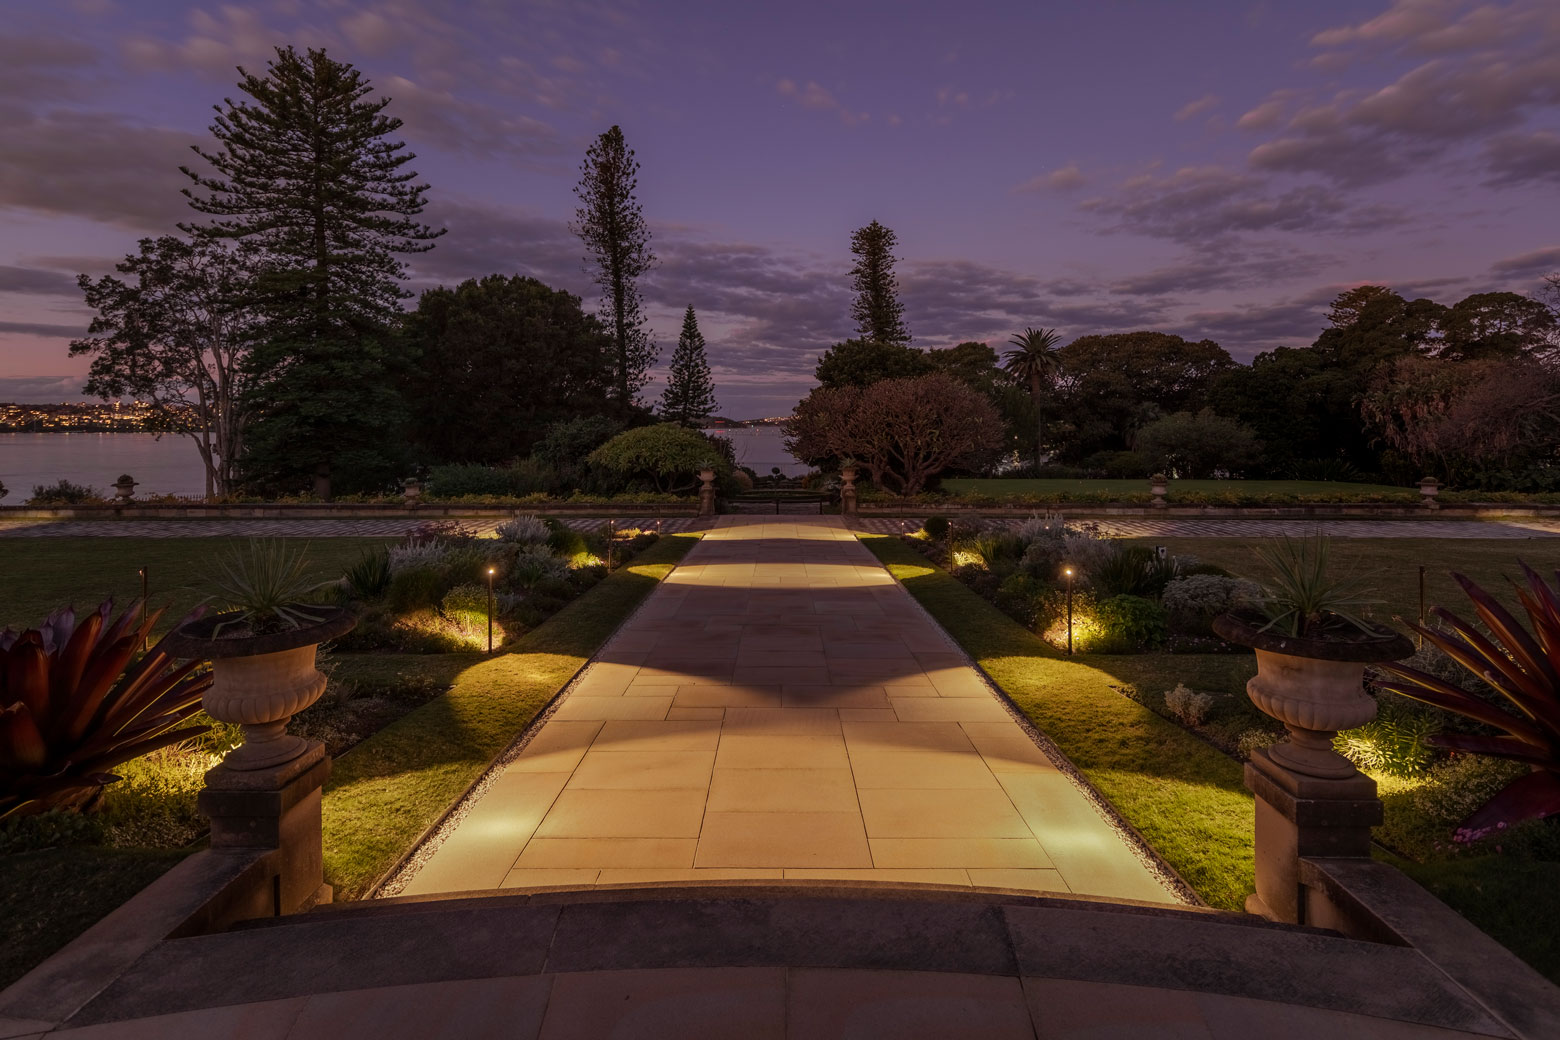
(74, 703)
(1524, 669)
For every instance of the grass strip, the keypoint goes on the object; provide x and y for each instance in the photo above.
(1185, 797)
(50, 896)
(391, 787)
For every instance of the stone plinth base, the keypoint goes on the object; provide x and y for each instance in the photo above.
(276, 808)
(1300, 816)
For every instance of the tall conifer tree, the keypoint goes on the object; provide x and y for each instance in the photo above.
(880, 317)
(305, 171)
(617, 244)
(689, 397)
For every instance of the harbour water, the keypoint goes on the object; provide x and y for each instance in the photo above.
(170, 465)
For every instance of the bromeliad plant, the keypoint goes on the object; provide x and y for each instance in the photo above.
(74, 703)
(1521, 667)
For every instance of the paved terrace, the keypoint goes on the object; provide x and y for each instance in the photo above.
(780, 708)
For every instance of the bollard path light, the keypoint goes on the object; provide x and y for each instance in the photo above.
(1069, 573)
(490, 609)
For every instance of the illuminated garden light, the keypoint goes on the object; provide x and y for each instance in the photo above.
(1068, 572)
(491, 572)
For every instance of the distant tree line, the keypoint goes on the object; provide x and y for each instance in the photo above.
(272, 330)
(1392, 389)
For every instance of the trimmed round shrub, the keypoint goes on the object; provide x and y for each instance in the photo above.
(1129, 624)
(937, 527)
(1193, 601)
(662, 458)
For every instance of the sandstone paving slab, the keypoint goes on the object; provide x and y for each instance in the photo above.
(780, 708)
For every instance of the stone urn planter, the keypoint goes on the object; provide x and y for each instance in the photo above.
(260, 681)
(124, 489)
(411, 490)
(1314, 686)
(1158, 485)
(1429, 487)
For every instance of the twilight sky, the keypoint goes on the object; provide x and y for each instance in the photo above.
(1216, 168)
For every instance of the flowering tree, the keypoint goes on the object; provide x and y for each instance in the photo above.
(901, 431)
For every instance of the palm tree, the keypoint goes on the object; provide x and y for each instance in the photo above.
(1037, 361)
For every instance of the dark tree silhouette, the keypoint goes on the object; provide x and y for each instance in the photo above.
(306, 173)
(617, 244)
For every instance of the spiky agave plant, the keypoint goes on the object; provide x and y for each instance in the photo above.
(266, 586)
(1302, 597)
(74, 703)
(1521, 667)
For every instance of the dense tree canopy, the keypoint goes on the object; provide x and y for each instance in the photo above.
(861, 362)
(1116, 384)
(498, 361)
(1198, 445)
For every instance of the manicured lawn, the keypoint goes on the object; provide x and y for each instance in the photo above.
(1321, 489)
(40, 574)
(49, 897)
(1517, 903)
(1184, 796)
(1392, 565)
(391, 787)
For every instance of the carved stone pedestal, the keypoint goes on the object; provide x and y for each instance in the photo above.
(276, 808)
(1300, 816)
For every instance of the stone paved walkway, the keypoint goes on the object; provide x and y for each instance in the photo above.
(780, 708)
(360, 527)
(1191, 527)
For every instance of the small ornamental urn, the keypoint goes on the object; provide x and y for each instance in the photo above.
(1158, 485)
(260, 682)
(124, 489)
(707, 491)
(1314, 686)
(411, 490)
(848, 490)
(1429, 487)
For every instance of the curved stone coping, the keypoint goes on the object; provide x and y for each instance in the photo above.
(825, 925)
